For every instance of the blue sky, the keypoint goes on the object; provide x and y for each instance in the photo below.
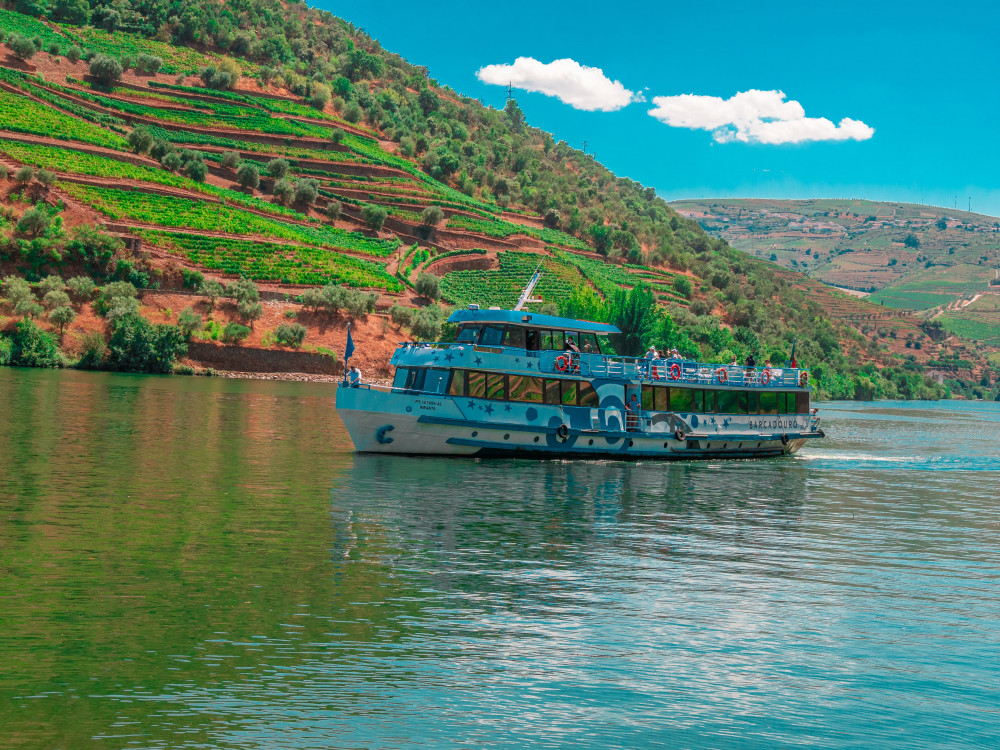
(923, 76)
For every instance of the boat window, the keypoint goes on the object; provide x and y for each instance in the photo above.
(532, 339)
(524, 388)
(697, 403)
(468, 334)
(768, 402)
(552, 392)
(728, 402)
(801, 403)
(436, 381)
(415, 379)
(782, 405)
(558, 340)
(495, 386)
(648, 397)
(399, 380)
(569, 393)
(477, 384)
(491, 336)
(514, 337)
(588, 396)
(662, 402)
(457, 387)
(546, 339)
(753, 402)
(681, 400)
(588, 343)
(709, 407)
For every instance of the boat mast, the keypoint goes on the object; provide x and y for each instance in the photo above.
(528, 289)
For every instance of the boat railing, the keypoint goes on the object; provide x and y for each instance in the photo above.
(663, 371)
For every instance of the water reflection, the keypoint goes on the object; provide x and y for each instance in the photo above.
(203, 563)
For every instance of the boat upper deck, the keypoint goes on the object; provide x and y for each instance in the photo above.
(519, 361)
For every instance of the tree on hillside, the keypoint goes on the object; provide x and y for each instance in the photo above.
(941, 224)
(22, 47)
(248, 176)
(140, 139)
(637, 316)
(276, 168)
(428, 286)
(106, 70)
(374, 216)
(911, 241)
(431, 216)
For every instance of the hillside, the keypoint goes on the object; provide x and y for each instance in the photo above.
(287, 148)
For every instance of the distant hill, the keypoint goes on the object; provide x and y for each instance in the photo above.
(934, 261)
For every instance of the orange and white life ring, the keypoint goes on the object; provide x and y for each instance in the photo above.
(804, 379)
(675, 371)
(722, 375)
(765, 377)
(562, 363)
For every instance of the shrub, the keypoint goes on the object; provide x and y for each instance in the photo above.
(113, 293)
(431, 216)
(426, 325)
(428, 285)
(334, 209)
(24, 175)
(81, 287)
(51, 284)
(62, 316)
(33, 347)
(3, 172)
(276, 168)
(682, 284)
(16, 290)
(172, 161)
(34, 222)
(22, 47)
(196, 170)
(401, 316)
(231, 159)
(45, 177)
(28, 308)
(56, 298)
(94, 351)
(284, 191)
(136, 345)
(6, 350)
(140, 140)
(188, 321)
(374, 216)
(319, 97)
(53, 49)
(213, 290)
(74, 53)
(147, 64)
(290, 334)
(243, 290)
(106, 69)
(250, 311)
(234, 333)
(222, 77)
(306, 191)
(248, 176)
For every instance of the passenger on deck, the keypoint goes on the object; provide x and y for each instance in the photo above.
(355, 375)
(751, 362)
(735, 362)
(574, 356)
(634, 410)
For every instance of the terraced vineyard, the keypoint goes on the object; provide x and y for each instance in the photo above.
(502, 287)
(264, 261)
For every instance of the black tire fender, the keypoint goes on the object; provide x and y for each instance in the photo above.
(562, 432)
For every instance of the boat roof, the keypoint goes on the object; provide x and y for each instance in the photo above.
(530, 320)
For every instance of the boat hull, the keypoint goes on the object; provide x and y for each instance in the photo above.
(386, 422)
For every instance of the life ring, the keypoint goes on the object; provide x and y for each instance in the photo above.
(679, 434)
(785, 439)
(562, 363)
(562, 432)
(765, 377)
(804, 379)
(655, 374)
(675, 371)
(722, 374)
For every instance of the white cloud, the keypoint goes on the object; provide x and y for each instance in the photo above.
(577, 85)
(754, 117)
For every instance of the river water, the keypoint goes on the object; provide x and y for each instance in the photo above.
(204, 563)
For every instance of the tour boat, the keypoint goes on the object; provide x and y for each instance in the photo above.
(508, 387)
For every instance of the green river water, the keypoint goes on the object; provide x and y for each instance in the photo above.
(205, 563)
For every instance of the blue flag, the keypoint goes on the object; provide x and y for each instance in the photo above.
(349, 349)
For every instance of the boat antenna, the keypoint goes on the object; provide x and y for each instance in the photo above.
(528, 289)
